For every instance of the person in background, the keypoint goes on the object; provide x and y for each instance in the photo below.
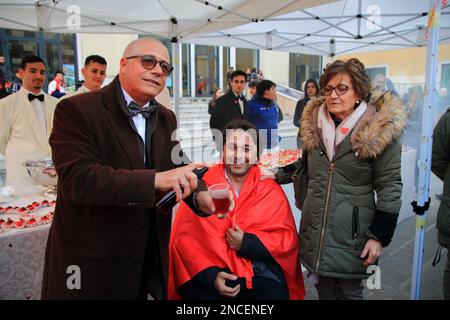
(260, 75)
(253, 74)
(26, 120)
(229, 73)
(3, 78)
(352, 184)
(17, 82)
(94, 73)
(216, 95)
(264, 114)
(440, 165)
(229, 107)
(251, 89)
(311, 90)
(56, 86)
(249, 73)
(414, 111)
(169, 84)
(251, 253)
(383, 83)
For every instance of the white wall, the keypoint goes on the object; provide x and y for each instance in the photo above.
(109, 46)
(275, 66)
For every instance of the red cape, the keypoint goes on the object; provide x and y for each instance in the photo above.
(262, 209)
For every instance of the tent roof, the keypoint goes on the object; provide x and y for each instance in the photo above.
(334, 28)
(152, 17)
(323, 27)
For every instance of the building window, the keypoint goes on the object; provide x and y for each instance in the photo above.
(246, 59)
(303, 67)
(445, 77)
(186, 69)
(206, 73)
(225, 67)
(375, 72)
(56, 49)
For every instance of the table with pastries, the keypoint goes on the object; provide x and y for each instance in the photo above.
(24, 227)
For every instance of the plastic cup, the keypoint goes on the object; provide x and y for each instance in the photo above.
(219, 194)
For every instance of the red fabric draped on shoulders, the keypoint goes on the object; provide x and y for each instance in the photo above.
(262, 209)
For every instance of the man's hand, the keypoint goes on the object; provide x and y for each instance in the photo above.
(181, 180)
(205, 203)
(235, 237)
(222, 288)
(372, 250)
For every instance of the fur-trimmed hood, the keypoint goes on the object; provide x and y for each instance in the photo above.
(382, 123)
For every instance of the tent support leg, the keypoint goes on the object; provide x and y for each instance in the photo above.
(423, 185)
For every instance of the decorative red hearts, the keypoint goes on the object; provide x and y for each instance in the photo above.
(344, 130)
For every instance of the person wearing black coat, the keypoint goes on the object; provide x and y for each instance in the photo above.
(311, 89)
(230, 106)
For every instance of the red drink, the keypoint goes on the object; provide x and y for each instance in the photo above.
(219, 194)
(221, 205)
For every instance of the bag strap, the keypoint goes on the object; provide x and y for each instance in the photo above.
(437, 256)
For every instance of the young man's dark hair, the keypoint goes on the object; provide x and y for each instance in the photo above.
(253, 83)
(58, 72)
(30, 59)
(236, 73)
(244, 125)
(264, 85)
(95, 58)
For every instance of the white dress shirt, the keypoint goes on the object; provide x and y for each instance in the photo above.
(139, 120)
(240, 101)
(40, 109)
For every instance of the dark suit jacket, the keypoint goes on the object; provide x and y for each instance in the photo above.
(105, 197)
(226, 110)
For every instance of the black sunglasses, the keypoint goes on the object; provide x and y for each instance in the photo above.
(149, 62)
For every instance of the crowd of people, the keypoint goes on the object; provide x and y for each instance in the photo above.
(112, 148)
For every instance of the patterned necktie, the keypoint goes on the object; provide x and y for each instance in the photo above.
(134, 109)
(31, 97)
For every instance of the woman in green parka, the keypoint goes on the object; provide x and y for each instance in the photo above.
(352, 140)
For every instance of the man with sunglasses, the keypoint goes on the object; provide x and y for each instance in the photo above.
(112, 150)
(229, 107)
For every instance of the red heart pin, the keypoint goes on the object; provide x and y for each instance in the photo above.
(344, 130)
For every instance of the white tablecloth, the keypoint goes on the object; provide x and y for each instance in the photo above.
(22, 254)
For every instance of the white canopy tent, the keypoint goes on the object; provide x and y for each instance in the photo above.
(310, 26)
(336, 28)
(164, 18)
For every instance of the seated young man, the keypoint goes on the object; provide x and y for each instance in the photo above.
(250, 253)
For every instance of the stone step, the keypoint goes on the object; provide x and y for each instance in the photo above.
(203, 124)
(194, 109)
(202, 138)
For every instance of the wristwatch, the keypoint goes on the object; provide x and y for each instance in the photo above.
(198, 212)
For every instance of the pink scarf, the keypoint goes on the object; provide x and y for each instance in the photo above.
(332, 135)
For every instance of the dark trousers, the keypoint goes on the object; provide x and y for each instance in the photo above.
(152, 279)
(446, 282)
(263, 289)
(339, 289)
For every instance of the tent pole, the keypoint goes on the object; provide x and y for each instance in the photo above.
(176, 80)
(425, 145)
(176, 69)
